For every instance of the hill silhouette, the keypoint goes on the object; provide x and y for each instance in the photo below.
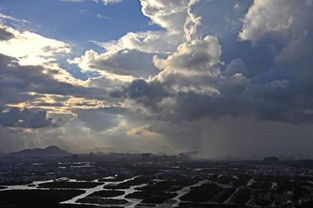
(51, 151)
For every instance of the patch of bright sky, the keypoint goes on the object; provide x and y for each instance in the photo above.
(79, 22)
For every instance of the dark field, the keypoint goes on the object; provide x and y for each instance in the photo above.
(153, 197)
(101, 201)
(250, 184)
(128, 184)
(66, 184)
(107, 193)
(35, 198)
(195, 205)
(203, 193)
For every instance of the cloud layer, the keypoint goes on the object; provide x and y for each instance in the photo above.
(210, 65)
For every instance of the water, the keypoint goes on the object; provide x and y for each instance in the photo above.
(31, 186)
(101, 188)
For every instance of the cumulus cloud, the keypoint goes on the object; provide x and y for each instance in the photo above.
(193, 78)
(121, 62)
(5, 34)
(149, 42)
(194, 82)
(140, 45)
(210, 86)
(197, 83)
(169, 15)
(15, 117)
(196, 55)
(217, 17)
(42, 104)
(34, 89)
(267, 16)
(31, 88)
(30, 48)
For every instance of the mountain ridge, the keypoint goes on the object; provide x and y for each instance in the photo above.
(50, 151)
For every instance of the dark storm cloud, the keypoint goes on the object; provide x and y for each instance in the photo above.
(24, 118)
(129, 62)
(36, 79)
(270, 79)
(218, 73)
(5, 35)
(16, 83)
(276, 100)
(125, 62)
(140, 89)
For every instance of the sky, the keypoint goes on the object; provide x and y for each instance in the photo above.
(225, 78)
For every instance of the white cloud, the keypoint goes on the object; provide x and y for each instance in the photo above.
(32, 49)
(149, 42)
(266, 16)
(122, 64)
(170, 15)
(194, 56)
(194, 83)
(106, 2)
(214, 17)
(185, 91)
(122, 55)
(10, 18)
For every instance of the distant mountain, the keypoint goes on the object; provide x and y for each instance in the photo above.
(51, 151)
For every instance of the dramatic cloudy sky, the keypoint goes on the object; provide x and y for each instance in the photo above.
(222, 77)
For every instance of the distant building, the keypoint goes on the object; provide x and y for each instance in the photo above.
(271, 160)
